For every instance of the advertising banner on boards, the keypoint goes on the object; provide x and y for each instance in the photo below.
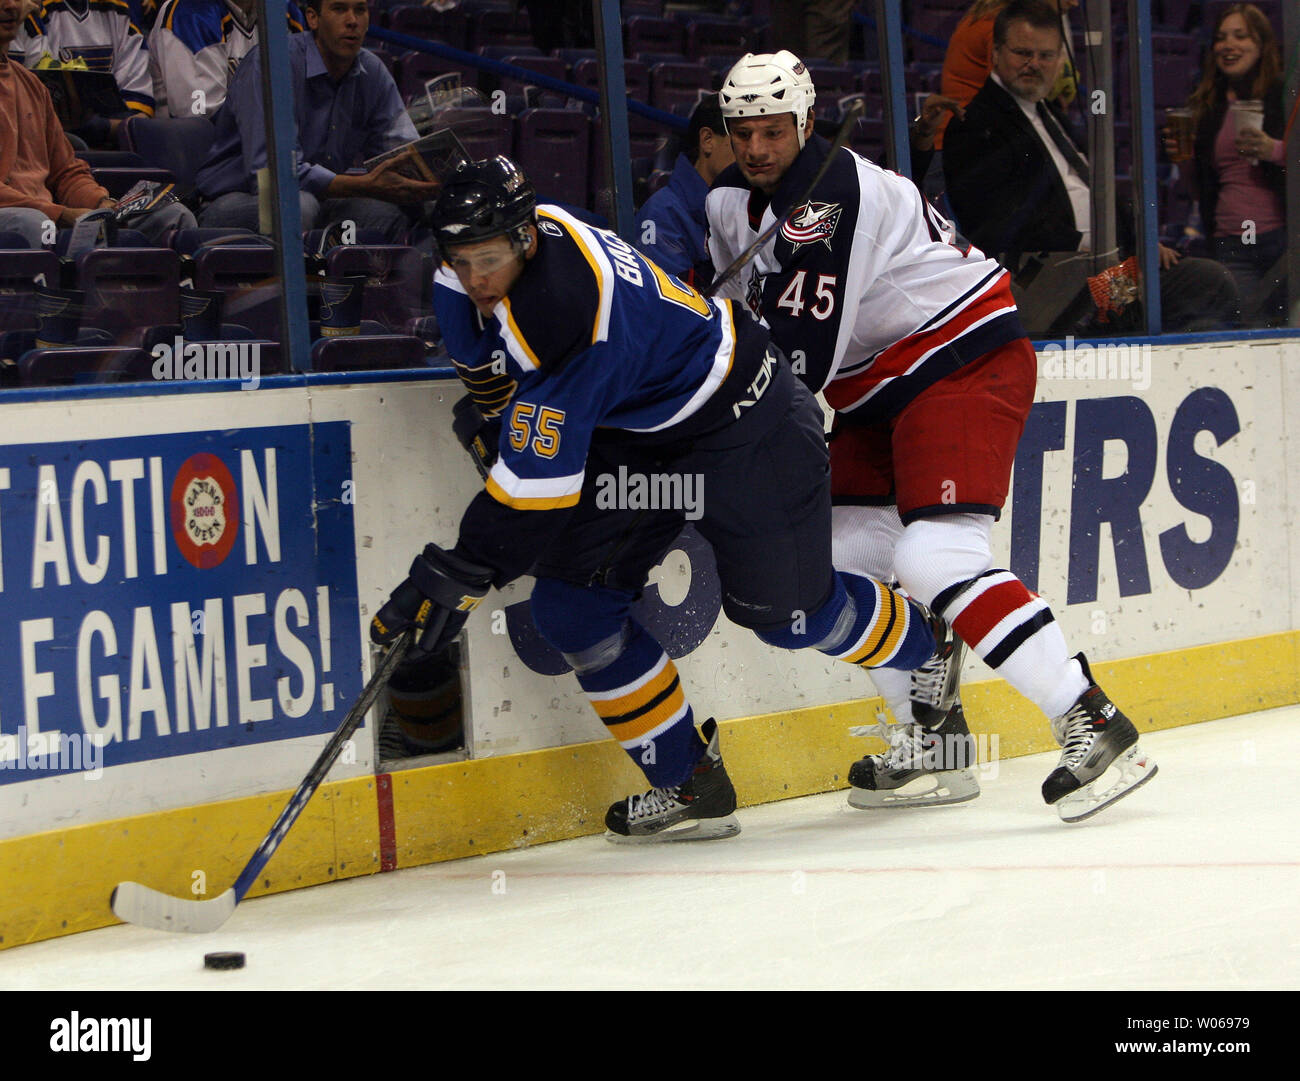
(172, 594)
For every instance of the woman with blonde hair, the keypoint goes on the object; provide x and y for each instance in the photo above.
(1240, 176)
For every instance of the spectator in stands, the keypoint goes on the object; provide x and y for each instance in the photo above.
(195, 47)
(1240, 180)
(106, 38)
(44, 181)
(671, 225)
(348, 109)
(969, 59)
(814, 29)
(1018, 184)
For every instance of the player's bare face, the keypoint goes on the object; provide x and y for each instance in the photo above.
(340, 29)
(1029, 61)
(488, 270)
(765, 148)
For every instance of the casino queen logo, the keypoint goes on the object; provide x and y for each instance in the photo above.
(204, 510)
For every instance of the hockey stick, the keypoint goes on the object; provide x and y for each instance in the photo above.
(146, 907)
(841, 137)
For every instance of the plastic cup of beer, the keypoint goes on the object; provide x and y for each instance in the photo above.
(1182, 129)
(1248, 116)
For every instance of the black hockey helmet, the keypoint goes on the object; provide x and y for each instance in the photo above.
(483, 199)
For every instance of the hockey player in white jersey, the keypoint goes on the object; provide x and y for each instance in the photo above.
(194, 48)
(914, 338)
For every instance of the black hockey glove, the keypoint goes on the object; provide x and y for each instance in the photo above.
(437, 598)
(478, 435)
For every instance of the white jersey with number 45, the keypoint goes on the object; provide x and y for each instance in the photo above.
(868, 290)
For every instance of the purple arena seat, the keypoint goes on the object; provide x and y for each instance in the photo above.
(543, 65)
(246, 275)
(449, 27)
(636, 75)
(832, 80)
(414, 69)
(188, 241)
(395, 279)
(19, 271)
(76, 364)
(718, 36)
(129, 287)
(179, 145)
(552, 147)
(367, 353)
(483, 132)
(674, 83)
(644, 34)
(500, 26)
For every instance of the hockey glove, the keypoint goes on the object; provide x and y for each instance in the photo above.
(478, 435)
(437, 598)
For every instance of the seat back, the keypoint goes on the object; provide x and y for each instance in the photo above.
(367, 353)
(247, 276)
(179, 145)
(19, 272)
(395, 279)
(552, 146)
(129, 287)
(74, 364)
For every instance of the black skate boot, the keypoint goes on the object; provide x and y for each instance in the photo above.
(942, 756)
(1095, 736)
(935, 684)
(701, 809)
(937, 746)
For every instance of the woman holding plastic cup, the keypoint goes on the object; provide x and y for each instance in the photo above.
(1238, 160)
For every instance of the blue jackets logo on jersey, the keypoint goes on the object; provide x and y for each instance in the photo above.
(810, 223)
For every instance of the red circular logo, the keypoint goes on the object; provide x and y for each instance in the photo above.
(205, 510)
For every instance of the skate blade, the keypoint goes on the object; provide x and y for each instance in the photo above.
(1135, 768)
(950, 786)
(694, 829)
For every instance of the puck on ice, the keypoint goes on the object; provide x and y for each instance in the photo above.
(223, 960)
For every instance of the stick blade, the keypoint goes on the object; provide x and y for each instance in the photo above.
(137, 904)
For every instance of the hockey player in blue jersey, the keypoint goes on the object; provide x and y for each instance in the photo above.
(596, 361)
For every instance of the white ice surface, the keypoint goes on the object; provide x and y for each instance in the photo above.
(1192, 882)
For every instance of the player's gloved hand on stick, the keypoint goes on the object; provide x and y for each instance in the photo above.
(437, 598)
(478, 435)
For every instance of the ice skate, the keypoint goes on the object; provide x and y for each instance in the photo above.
(701, 809)
(928, 761)
(1100, 759)
(921, 768)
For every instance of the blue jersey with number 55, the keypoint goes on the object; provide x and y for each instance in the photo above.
(593, 335)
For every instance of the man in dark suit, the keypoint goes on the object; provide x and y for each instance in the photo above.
(1019, 184)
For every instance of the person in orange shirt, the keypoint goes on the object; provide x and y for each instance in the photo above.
(969, 59)
(44, 181)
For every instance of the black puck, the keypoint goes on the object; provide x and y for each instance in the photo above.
(229, 959)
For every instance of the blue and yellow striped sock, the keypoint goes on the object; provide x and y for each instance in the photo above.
(639, 697)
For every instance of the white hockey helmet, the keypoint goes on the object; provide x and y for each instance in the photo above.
(768, 84)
